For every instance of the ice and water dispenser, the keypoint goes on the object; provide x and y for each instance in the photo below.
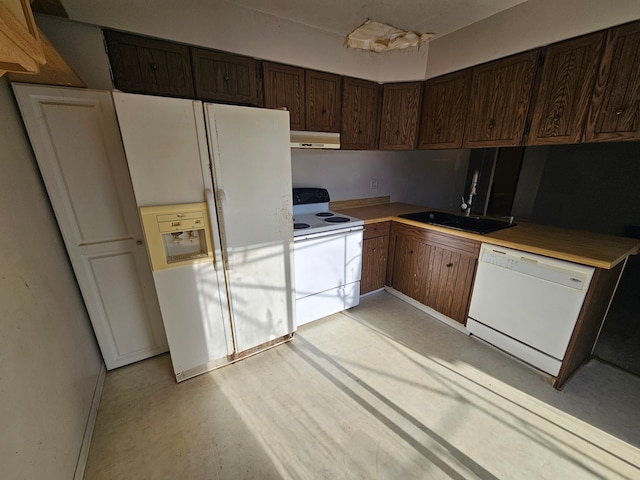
(177, 235)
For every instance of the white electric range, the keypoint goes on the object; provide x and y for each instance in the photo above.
(327, 255)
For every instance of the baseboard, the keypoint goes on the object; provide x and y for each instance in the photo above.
(429, 311)
(362, 295)
(91, 423)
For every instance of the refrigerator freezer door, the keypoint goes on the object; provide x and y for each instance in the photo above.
(166, 146)
(252, 177)
(191, 307)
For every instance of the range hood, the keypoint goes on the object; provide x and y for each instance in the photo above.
(314, 140)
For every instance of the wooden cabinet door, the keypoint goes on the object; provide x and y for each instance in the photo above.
(21, 49)
(614, 114)
(434, 268)
(323, 101)
(144, 65)
(444, 107)
(374, 256)
(564, 90)
(410, 259)
(223, 77)
(374, 264)
(499, 101)
(360, 114)
(450, 280)
(399, 117)
(284, 88)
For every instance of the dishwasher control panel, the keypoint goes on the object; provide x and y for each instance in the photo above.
(550, 269)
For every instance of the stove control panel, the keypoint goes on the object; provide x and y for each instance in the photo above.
(303, 196)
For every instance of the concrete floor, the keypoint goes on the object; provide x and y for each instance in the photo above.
(380, 391)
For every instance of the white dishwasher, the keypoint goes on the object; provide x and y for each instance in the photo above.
(527, 305)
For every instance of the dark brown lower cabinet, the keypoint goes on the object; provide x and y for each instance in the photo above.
(433, 268)
(374, 256)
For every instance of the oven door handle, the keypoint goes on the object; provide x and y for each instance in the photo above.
(327, 234)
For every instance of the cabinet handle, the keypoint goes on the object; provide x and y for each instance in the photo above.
(226, 78)
(449, 265)
(139, 242)
(619, 112)
(154, 66)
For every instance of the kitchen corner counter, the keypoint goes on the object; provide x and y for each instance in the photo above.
(382, 212)
(587, 248)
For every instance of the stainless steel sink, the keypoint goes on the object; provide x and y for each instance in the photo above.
(471, 224)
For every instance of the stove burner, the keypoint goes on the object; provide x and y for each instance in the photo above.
(324, 214)
(337, 220)
(300, 226)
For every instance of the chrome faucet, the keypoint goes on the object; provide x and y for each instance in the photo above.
(473, 191)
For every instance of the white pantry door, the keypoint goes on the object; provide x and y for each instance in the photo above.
(74, 134)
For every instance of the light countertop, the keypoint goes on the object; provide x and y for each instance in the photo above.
(587, 248)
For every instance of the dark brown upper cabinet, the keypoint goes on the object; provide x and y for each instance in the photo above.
(444, 107)
(223, 77)
(144, 65)
(563, 94)
(499, 101)
(360, 114)
(323, 101)
(284, 89)
(399, 116)
(614, 114)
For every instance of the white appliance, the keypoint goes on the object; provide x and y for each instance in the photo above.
(328, 256)
(234, 297)
(527, 305)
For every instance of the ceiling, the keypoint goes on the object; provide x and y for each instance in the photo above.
(342, 16)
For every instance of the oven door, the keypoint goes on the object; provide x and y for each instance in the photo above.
(327, 272)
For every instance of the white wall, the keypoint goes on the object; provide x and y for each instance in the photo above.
(431, 178)
(49, 360)
(82, 46)
(528, 25)
(230, 27)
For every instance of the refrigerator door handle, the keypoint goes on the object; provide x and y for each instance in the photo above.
(226, 253)
(211, 208)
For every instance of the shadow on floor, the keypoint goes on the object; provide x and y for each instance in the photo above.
(598, 394)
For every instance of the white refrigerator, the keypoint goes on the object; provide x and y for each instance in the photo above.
(239, 300)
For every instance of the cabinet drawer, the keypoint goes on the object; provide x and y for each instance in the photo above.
(378, 229)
